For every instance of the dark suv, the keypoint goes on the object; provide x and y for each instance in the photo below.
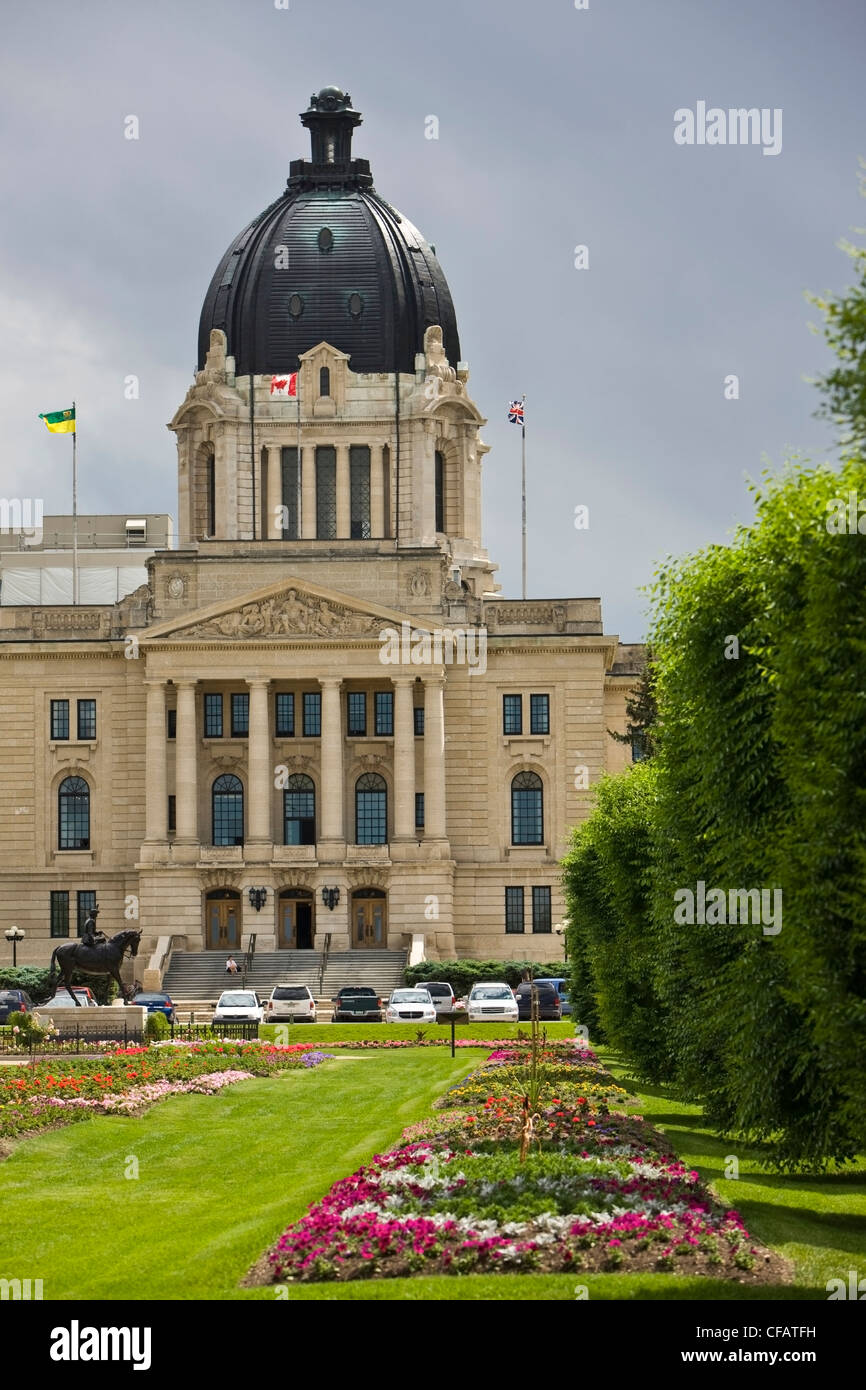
(357, 1004)
(549, 1002)
(14, 1001)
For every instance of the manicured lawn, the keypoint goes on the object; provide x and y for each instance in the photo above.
(324, 1033)
(219, 1177)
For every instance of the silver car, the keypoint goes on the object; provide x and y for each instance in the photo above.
(292, 1002)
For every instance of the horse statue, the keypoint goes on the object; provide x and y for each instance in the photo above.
(102, 959)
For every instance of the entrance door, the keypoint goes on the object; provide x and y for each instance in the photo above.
(223, 923)
(370, 917)
(296, 923)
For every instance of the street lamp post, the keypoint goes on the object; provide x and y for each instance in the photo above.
(561, 930)
(14, 934)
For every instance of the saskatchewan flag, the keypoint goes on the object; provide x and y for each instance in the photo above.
(60, 421)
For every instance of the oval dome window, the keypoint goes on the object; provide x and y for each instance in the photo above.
(356, 305)
(296, 306)
(326, 239)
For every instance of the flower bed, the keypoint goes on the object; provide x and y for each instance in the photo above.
(127, 1079)
(597, 1191)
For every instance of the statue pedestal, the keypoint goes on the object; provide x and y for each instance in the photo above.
(118, 1022)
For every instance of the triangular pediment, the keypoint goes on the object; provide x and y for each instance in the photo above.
(290, 610)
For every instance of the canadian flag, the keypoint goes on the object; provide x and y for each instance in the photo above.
(285, 385)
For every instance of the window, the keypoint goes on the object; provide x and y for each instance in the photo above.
(240, 716)
(541, 909)
(385, 713)
(171, 718)
(356, 711)
(172, 815)
(213, 716)
(299, 811)
(638, 747)
(228, 810)
(59, 719)
(84, 906)
(440, 492)
(527, 820)
(73, 807)
(371, 799)
(289, 485)
(512, 714)
(418, 716)
(86, 719)
(539, 714)
(419, 810)
(284, 723)
(326, 493)
(514, 911)
(312, 714)
(324, 380)
(359, 492)
(210, 467)
(60, 913)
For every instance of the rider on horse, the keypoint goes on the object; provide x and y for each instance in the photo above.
(91, 936)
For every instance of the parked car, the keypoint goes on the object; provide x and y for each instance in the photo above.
(156, 1003)
(238, 1006)
(14, 1001)
(549, 1005)
(442, 995)
(63, 999)
(294, 1002)
(560, 984)
(491, 1000)
(357, 1004)
(410, 1006)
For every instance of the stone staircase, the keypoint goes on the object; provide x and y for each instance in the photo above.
(197, 978)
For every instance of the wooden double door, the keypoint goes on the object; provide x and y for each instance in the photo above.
(369, 921)
(223, 913)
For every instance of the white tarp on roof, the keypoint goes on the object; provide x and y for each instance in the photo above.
(52, 584)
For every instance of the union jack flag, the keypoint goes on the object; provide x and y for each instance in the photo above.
(515, 413)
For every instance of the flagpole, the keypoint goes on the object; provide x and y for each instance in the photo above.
(523, 488)
(298, 458)
(74, 505)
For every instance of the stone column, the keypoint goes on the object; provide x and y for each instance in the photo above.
(260, 765)
(343, 509)
(404, 758)
(434, 758)
(331, 789)
(186, 765)
(308, 492)
(377, 491)
(275, 492)
(155, 785)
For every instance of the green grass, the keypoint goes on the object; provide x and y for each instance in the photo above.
(323, 1033)
(219, 1177)
(818, 1222)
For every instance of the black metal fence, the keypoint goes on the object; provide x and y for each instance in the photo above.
(84, 1038)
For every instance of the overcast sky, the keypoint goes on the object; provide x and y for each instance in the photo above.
(556, 129)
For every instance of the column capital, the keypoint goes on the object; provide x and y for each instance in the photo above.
(257, 682)
(156, 682)
(184, 683)
(329, 682)
(403, 680)
(438, 681)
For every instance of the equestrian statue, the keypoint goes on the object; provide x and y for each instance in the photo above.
(95, 954)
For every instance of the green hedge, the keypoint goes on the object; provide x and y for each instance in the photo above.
(35, 980)
(461, 975)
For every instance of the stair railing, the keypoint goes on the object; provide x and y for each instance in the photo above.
(325, 950)
(248, 959)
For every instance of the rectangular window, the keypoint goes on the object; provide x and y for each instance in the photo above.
(86, 719)
(326, 493)
(541, 909)
(86, 902)
(312, 714)
(359, 492)
(638, 748)
(512, 714)
(539, 714)
(284, 724)
(172, 815)
(385, 713)
(418, 716)
(171, 719)
(59, 719)
(439, 486)
(60, 913)
(213, 716)
(356, 714)
(514, 910)
(211, 495)
(240, 716)
(289, 490)
(419, 810)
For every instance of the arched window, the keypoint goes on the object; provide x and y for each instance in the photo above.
(324, 381)
(299, 811)
(228, 810)
(73, 819)
(440, 492)
(527, 814)
(371, 810)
